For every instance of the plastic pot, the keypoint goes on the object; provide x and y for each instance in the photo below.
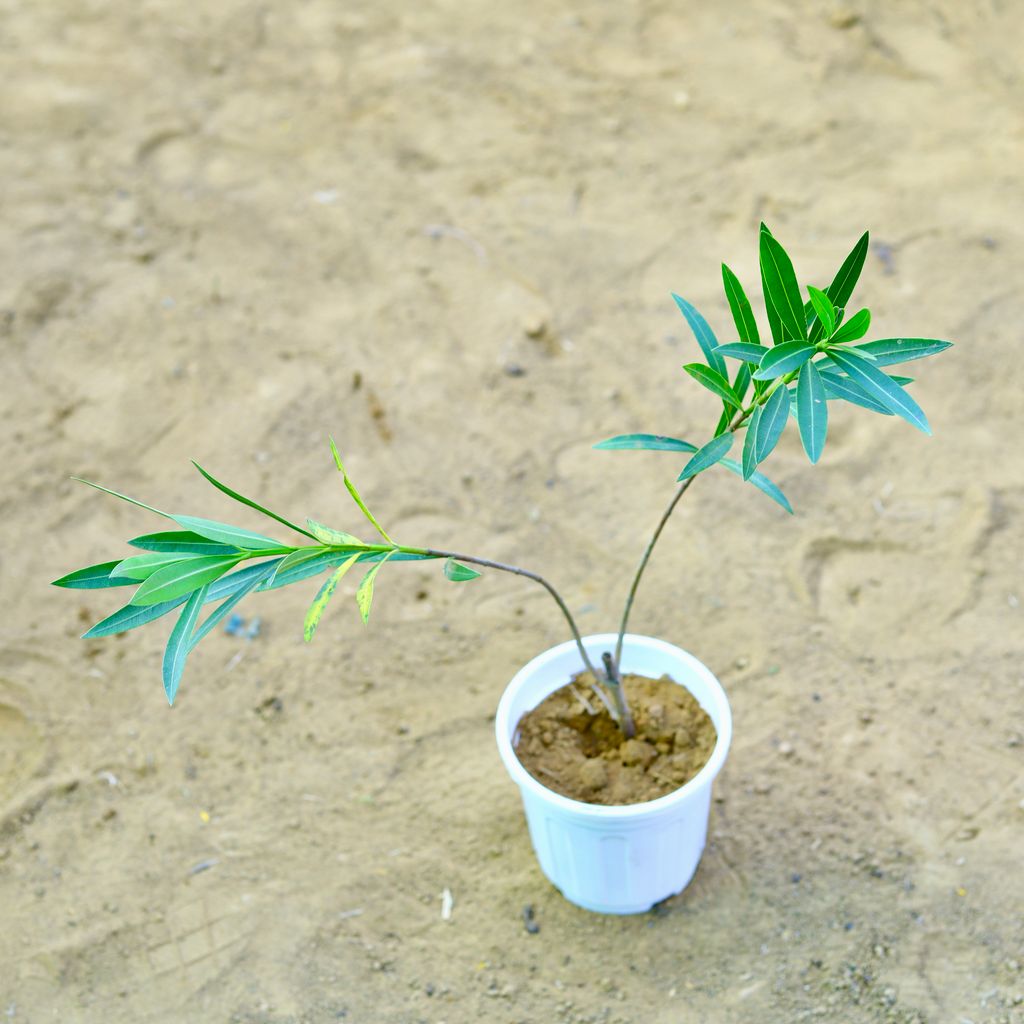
(626, 858)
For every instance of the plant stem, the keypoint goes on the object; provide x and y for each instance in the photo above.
(536, 577)
(615, 685)
(682, 489)
(740, 421)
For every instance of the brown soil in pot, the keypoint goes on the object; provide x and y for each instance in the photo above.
(570, 743)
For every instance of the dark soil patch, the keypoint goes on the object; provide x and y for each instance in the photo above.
(578, 750)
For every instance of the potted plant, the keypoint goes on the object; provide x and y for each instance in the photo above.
(613, 739)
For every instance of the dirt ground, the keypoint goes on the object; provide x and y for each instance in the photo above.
(446, 234)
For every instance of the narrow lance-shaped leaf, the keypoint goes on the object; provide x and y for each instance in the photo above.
(724, 419)
(888, 351)
(748, 352)
(364, 593)
(811, 411)
(761, 482)
(854, 329)
(842, 388)
(298, 557)
(224, 533)
(218, 614)
(823, 307)
(123, 497)
(178, 644)
(782, 291)
(841, 288)
(703, 333)
(457, 572)
(648, 442)
(770, 424)
(316, 609)
(749, 459)
(332, 538)
(356, 497)
(181, 577)
(131, 616)
(242, 499)
(184, 541)
(141, 567)
(93, 577)
(706, 456)
(742, 381)
(739, 305)
(784, 358)
(881, 388)
(714, 382)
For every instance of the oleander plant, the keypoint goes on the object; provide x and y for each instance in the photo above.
(815, 357)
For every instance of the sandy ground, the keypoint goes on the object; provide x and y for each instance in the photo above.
(218, 220)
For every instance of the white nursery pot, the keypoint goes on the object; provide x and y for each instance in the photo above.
(626, 858)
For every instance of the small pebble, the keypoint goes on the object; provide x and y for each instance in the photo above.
(535, 326)
(786, 749)
(514, 370)
(528, 920)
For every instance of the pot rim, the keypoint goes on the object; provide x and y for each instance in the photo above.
(504, 730)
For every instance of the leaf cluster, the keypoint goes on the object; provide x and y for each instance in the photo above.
(816, 357)
(199, 563)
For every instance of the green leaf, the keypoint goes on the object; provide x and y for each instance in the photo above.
(882, 388)
(749, 353)
(92, 577)
(123, 497)
(182, 577)
(823, 307)
(224, 533)
(707, 456)
(141, 567)
(457, 572)
(854, 350)
(181, 541)
(854, 328)
(749, 463)
(724, 420)
(888, 351)
(703, 333)
(216, 616)
(742, 381)
(781, 291)
(739, 304)
(841, 288)
(316, 609)
(811, 411)
(714, 382)
(364, 593)
(770, 424)
(178, 644)
(306, 569)
(761, 482)
(356, 497)
(332, 538)
(299, 557)
(132, 616)
(840, 387)
(648, 442)
(782, 359)
(248, 501)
